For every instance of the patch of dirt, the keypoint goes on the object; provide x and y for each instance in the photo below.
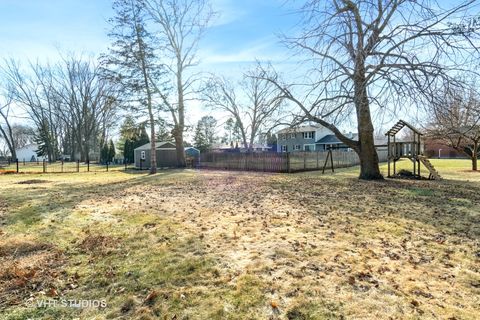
(98, 244)
(33, 181)
(28, 268)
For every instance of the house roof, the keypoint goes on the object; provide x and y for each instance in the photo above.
(332, 139)
(299, 129)
(329, 139)
(158, 145)
(228, 146)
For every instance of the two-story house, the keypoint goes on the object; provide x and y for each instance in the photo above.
(309, 138)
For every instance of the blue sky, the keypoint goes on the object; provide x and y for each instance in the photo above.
(243, 30)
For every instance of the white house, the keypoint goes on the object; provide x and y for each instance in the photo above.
(29, 153)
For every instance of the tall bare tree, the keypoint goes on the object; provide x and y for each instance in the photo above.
(6, 128)
(372, 55)
(455, 120)
(180, 26)
(133, 61)
(253, 103)
(69, 104)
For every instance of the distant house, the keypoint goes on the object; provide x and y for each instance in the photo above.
(239, 147)
(438, 149)
(28, 153)
(166, 155)
(309, 138)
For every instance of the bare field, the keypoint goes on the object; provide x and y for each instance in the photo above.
(229, 245)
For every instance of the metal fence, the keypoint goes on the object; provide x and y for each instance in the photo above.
(282, 162)
(59, 167)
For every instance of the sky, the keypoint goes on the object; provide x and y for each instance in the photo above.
(242, 31)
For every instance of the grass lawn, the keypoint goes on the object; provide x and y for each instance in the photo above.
(229, 245)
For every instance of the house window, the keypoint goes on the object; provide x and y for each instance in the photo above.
(308, 135)
(308, 147)
(292, 135)
(284, 148)
(142, 155)
(297, 147)
(284, 136)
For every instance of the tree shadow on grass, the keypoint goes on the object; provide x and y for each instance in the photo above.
(33, 205)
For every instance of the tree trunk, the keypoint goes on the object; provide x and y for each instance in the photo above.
(369, 169)
(474, 156)
(178, 136)
(153, 149)
(179, 128)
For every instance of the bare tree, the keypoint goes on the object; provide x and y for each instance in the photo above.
(69, 104)
(253, 103)
(456, 122)
(88, 103)
(180, 26)
(372, 55)
(5, 125)
(132, 61)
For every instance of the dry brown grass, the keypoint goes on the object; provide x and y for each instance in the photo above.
(225, 245)
(28, 267)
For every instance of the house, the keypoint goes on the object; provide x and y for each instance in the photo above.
(166, 155)
(28, 153)
(435, 148)
(309, 138)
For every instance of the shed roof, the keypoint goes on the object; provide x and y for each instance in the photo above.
(399, 126)
(158, 145)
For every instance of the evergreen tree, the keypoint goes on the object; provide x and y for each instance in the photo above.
(104, 153)
(128, 151)
(205, 134)
(45, 141)
(111, 151)
(163, 132)
(133, 62)
(128, 130)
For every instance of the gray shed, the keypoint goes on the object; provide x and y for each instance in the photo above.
(166, 155)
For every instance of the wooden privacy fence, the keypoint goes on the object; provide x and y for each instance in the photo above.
(280, 162)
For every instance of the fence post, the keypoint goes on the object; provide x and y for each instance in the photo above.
(125, 162)
(304, 160)
(88, 165)
(78, 165)
(62, 165)
(288, 162)
(318, 167)
(44, 166)
(17, 165)
(107, 166)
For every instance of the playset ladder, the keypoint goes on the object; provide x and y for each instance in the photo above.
(433, 172)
